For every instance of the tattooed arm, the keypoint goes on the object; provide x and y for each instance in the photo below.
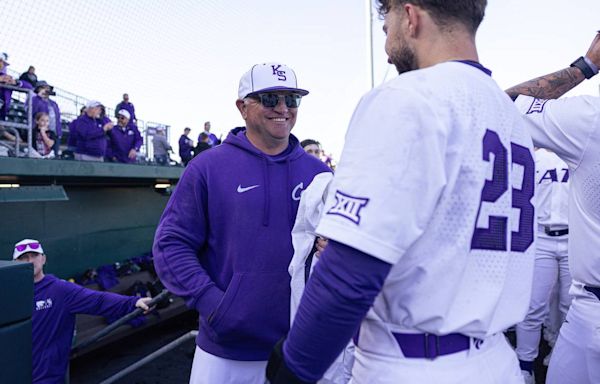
(554, 85)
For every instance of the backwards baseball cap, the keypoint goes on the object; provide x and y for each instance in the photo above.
(269, 77)
(93, 104)
(124, 112)
(4, 57)
(26, 246)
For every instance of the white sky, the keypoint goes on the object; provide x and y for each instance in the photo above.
(181, 60)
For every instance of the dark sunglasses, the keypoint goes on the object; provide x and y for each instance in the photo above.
(23, 247)
(121, 117)
(270, 100)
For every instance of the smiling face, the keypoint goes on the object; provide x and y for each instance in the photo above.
(43, 121)
(268, 127)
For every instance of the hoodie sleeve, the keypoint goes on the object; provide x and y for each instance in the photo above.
(181, 234)
(87, 301)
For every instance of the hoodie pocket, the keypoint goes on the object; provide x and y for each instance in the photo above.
(255, 307)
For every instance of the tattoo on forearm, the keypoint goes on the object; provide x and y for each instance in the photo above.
(551, 86)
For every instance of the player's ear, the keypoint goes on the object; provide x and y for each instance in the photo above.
(413, 15)
(242, 107)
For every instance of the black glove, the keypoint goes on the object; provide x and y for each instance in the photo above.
(277, 371)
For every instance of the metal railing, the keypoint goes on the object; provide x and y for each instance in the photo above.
(14, 125)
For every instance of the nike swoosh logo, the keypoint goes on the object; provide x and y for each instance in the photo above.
(241, 189)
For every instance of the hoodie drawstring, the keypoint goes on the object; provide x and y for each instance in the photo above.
(266, 204)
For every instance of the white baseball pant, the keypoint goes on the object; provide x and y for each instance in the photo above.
(551, 261)
(211, 369)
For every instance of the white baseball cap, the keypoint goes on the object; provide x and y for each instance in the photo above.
(269, 77)
(124, 112)
(93, 104)
(26, 246)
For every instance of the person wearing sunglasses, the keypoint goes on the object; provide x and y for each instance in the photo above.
(125, 139)
(224, 240)
(56, 302)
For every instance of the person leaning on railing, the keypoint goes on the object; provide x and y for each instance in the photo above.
(5, 93)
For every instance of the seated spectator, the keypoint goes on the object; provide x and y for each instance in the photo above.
(30, 77)
(186, 147)
(202, 144)
(125, 139)
(5, 93)
(55, 304)
(88, 135)
(312, 147)
(212, 139)
(41, 102)
(161, 147)
(43, 138)
(125, 104)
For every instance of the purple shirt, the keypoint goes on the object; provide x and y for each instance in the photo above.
(185, 147)
(123, 140)
(87, 136)
(56, 302)
(129, 108)
(39, 104)
(224, 243)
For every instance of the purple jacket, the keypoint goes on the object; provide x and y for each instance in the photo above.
(224, 243)
(56, 302)
(5, 94)
(129, 108)
(40, 104)
(88, 136)
(185, 147)
(124, 140)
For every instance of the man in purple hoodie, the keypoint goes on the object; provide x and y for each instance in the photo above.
(56, 302)
(125, 139)
(87, 133)
(224, 240)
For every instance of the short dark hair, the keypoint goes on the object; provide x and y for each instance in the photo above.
(306, 142)
(187, 129)
(467, 12)
(203, 136)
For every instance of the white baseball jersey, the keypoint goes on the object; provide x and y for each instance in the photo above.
(445, 195)
(570, 127)
(552, 193)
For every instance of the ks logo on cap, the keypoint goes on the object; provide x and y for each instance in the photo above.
(348, 206)
(279, 73)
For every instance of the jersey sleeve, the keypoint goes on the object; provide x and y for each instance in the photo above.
(563, 126)
(385, 190)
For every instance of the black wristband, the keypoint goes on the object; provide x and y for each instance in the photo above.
(583, 67)
(277, 370)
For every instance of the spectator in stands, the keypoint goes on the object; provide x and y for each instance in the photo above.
(125, 139)
(161, 147)
(88, 134)
(125, 104)
(202, 144)
(30, 77)
(5, 93)
(186, 147)
(68, 154)
(312, 147)
(41, 102)
(212, 139)
(55, 304)
(43, 137)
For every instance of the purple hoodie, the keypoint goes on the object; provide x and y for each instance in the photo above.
(124, 140)
(39, 104)
(55, 304)
(224, 243)
(88, 136)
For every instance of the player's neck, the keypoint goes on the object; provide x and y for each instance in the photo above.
(448, 48)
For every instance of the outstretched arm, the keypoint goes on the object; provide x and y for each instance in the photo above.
(556, 84)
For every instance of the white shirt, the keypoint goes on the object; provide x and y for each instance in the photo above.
(412, 199)
(552, 193)
(570, 127)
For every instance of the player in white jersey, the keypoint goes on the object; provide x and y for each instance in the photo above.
(551, 261)
(437, 245)
(571, 128)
